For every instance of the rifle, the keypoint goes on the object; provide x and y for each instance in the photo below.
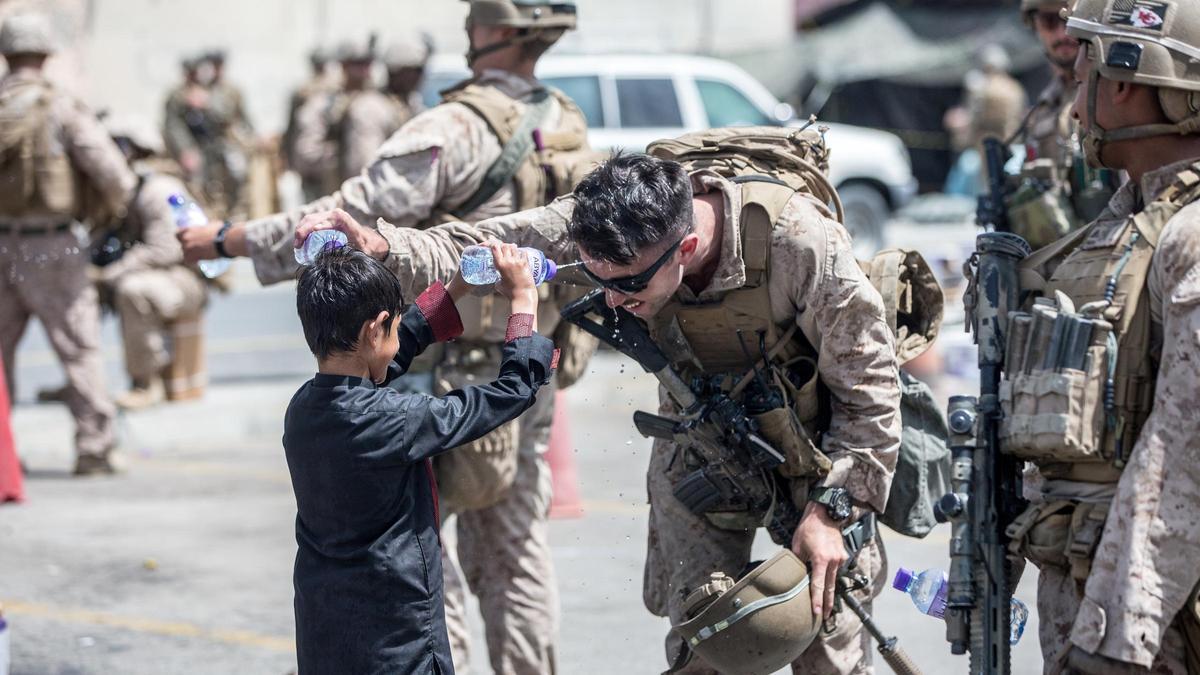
(737, 471)
(986, 482)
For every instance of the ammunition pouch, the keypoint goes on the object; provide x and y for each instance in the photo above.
(1062, 534)
(1041, 212)
(478, 474)
(1058, 385)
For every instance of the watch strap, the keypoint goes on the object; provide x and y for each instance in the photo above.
(219, 240)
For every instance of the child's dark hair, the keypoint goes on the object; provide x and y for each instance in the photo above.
(340, 291)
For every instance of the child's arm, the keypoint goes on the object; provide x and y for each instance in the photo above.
(433, 317)
(432, 425)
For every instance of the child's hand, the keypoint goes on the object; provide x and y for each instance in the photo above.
(458, 287)
(516, 281)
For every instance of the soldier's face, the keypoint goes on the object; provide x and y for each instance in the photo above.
(660, 287)
(1051, 29)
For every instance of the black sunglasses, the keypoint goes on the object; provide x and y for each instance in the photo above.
(634, 283)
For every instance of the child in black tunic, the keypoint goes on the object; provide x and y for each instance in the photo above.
(368, 575)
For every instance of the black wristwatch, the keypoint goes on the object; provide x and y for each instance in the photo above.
(835, 500)
(219, 240)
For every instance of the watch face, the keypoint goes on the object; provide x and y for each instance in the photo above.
(840, 505)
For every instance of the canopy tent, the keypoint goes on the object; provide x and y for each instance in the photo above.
(897, 69)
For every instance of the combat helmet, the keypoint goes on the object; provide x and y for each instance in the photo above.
(27, 34)
(1028, 6)
(136, 130)
(1152, 43)
(538, 20)
(755, 626)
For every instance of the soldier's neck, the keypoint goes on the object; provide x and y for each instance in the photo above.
(709, 226)
(1152, 154)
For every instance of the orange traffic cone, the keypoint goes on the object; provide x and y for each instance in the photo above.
(11, 487)
(565, 502)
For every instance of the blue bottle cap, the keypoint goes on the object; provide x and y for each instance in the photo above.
(903, 578)
(551, 269)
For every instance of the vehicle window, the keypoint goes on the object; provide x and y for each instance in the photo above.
(728, 107)
(585, 91)
(648, 103)
(435, 83)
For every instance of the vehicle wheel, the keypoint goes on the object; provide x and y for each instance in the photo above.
(866, 212)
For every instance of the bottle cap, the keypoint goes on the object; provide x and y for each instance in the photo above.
(903, 578)
(175, 199)
(551, 269)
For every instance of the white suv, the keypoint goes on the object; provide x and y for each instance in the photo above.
(632, 100)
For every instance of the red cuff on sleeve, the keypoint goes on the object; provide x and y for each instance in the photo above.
(439, 311)
(554, 359)
(519, 326)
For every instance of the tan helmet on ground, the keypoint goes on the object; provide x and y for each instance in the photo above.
(538, 20)
(1156, 44)
(755, 626)
(27, 34)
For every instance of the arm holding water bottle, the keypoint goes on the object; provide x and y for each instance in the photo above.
(421, 257)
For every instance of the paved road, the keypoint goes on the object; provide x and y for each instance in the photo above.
(183, 564)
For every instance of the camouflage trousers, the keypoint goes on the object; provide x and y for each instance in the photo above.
(146, 300)
(45, 276)
(1058, 598)
(503, 554)
(685, 549)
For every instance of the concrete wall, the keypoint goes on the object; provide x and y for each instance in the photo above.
(124, 54)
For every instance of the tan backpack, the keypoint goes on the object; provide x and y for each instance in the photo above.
(33, 177)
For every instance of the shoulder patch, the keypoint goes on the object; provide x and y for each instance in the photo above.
(1141, 14)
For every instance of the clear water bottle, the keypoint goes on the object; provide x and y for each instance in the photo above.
(188, 213)
(928, 593)
(318, 241)
(479, 269)
(5, 646)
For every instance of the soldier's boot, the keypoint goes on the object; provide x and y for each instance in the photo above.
(105, 464)
(55, 395)
(143, 394)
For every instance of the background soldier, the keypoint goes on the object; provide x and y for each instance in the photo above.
(441, 165)
(665, 244)
(995, 101)
(77, 173)
(1061, 192)
(405, 60)
(337, 135)
(146, 279)
(323, 82)
(1112, 525)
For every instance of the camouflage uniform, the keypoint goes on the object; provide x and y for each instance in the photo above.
(1050, 129)
(44, 266)
(149, 284)
(840, 313)
(995, 107)
(432, 164)
(220, 132)
(1144, 567)
(337, 135)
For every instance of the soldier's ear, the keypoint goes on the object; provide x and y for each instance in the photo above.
(688, 246)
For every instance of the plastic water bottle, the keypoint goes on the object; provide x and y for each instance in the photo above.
(928, 593)
(319, 240)
(479, 269)
(188, 213)
(5, 646)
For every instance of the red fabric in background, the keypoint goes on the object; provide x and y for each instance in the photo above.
(12, 488)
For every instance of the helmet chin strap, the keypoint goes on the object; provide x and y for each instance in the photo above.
(1096, 136)
(473, 53)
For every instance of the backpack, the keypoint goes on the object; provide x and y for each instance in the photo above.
(772, 164)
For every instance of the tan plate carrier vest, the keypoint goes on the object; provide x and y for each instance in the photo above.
(540, 170)
(36, 175)
(1114, 273)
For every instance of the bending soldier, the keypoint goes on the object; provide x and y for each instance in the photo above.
(699, 257)
(60, 167)
(1106, 416)
(446, 163)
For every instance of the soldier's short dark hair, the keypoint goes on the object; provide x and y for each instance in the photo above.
(340, 291)
(630, 203)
